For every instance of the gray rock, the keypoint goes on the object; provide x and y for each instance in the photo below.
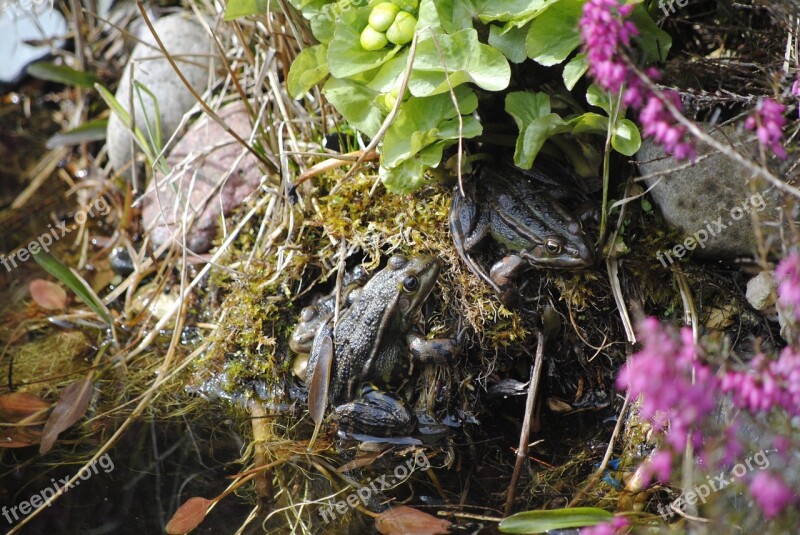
(204, 158)
(22, 23)
(709, 203)
(190, 46)
(760, 291)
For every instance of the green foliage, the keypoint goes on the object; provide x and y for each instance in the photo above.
(364, 51)
(543, 521)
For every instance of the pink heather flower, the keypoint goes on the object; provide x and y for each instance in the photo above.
(767, 384)
(661, 372)
(768, 122)
(796, 87)
(788, 275)
(609, 528)
(660, 466)
(771, 493)
(605, 32)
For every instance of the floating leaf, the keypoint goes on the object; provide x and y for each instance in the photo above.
(61, 74)
(74, 282)
(404, 520)
(48, 295)
(85, 133)
(541, 521)
(68, 409)
(16, 406)
(188, 516)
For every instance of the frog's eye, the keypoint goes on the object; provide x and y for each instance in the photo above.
(552, 246)
(410, 283)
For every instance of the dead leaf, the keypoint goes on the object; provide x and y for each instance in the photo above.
(19, 437)
(189, 515)
(69, 409)
(16, 406)
(404, 520)
(48, 295)
(361, 461)
(320, 381)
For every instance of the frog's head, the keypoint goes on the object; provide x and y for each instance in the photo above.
(558, 241)
(414, 278)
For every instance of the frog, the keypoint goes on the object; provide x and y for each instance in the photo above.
(524, 218)
(375, 345)
(323, 307)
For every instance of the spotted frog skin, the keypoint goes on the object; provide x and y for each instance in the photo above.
(523, 219)
(374, 343)
(322, 309)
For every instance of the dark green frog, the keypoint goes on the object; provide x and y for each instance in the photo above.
(525, 221)
(374, 343)
(322, 309)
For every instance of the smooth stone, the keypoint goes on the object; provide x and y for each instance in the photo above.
(695, 199)
(27, 21)
(760, 292)
(190, 46)
(199, 161)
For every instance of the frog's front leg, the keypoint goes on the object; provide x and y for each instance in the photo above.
(434, 350)
(469, 226)
(376, 413)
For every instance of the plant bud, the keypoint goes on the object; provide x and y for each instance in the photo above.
(382, 16)
(401, 31)
(372, 40)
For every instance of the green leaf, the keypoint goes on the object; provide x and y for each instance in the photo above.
(595, 96)
(574, 70)
(458, 14)
(541, 521)
(626, 138)
(531, 112)
(346, 57)
(553, 35)
(420, 121)
(459, 58)
(245, 8)
(73, 281)
(589, 123)
(308, 69)
(61, 74)
(88, 131)
(354, 101)
(409, 175)
(654, 41)
(511, 42)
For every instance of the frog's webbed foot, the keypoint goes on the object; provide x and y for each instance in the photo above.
(376, 413)
(503, 275)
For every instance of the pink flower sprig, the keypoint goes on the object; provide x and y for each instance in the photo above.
(613, 527)
(768, 122)
(605, 34)
(771, 493)
(662, 374)
(788, 275)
